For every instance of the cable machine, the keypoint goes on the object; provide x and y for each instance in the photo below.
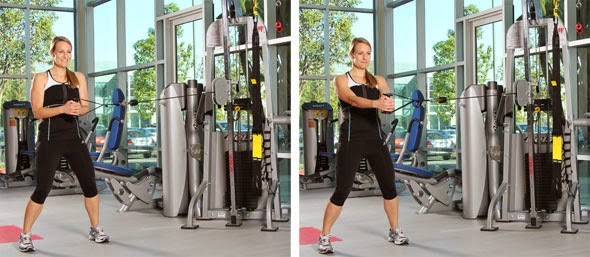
(550, 162)
(258, 153)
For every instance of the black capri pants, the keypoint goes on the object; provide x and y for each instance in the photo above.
(48, 155)
(348, 158)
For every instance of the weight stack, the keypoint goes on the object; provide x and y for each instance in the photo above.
(244, 181)
(545, 200)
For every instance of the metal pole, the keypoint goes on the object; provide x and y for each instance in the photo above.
(230, 121)
(525, 37)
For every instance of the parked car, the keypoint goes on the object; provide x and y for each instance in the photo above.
(451, 134)
(139, 142)
(152, 133)
(443, 144)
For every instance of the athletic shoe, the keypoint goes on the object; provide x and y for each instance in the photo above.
(397, 237)
(25, 244)
(324, 245)
(97, 234)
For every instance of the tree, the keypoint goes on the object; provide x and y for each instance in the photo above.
(312, 51)
(13, 53)
(144, 81)
(443, 82)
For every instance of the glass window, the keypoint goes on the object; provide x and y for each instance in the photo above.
(190, 51)
(357, 4)
(105, 36)
(139, 31)
(474, 6)
(103, 92)
(61, 24)
(441, 84)
(403, 88)
(404, 37)
(312, 90)
(180, 4)
(440, 32)
(490, 53)
(344, 26)
(141, 86)
(62, 3)
(312, 51)
(13, 89)
(12, 41)
(284, 167)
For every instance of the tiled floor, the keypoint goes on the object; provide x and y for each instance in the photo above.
(143, 231)
(362, 227)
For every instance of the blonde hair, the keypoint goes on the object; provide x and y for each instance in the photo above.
(71, 76)
(371, 80)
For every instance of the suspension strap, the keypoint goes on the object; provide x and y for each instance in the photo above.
(257, 110)
(556, 106)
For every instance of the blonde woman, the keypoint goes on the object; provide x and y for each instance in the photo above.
(361, 96)
(55, 98)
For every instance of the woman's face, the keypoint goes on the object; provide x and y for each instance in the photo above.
(62, 54)
(361, 56)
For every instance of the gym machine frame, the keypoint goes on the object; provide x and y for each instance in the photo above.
(222, 89)
(506, 190)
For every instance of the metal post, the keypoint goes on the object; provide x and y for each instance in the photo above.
(534, 223)
(230, 119)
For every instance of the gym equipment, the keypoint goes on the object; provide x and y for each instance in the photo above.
(558, 198)
(432, 193)
(181, 145)
(480, 162)
(258, 155)
(126, 186)
(19, 144)
(318, 146)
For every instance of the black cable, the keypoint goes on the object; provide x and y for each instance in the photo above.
(133, 102)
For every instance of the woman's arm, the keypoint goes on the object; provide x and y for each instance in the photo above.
(343, 92)
(83, 90)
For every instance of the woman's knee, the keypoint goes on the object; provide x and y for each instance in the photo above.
(40, 194)
(339, 196)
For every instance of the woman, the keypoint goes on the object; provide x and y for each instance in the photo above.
(55, 99)
(361, 96)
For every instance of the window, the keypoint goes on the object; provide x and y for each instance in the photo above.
(439, 32)
(404, 38)
(139, 32)
(105, 36)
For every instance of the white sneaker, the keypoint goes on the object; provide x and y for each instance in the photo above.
(397, 237)
(25, 243)
(324, 245)
(97, 235)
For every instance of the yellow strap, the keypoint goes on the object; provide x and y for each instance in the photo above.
(557, 146)
(255, 8)
(555, 8)
(257, 146)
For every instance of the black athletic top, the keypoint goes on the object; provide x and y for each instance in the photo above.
(63, 126)
(360, 123)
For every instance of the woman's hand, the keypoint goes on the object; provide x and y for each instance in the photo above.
(384, 103)
(72, 108)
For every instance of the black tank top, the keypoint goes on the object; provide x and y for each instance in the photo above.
(63, 126)
(360, 123)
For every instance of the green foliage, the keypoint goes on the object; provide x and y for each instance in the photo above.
(313, 53)
(443, 83)
(13, 53)
(144, 81)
